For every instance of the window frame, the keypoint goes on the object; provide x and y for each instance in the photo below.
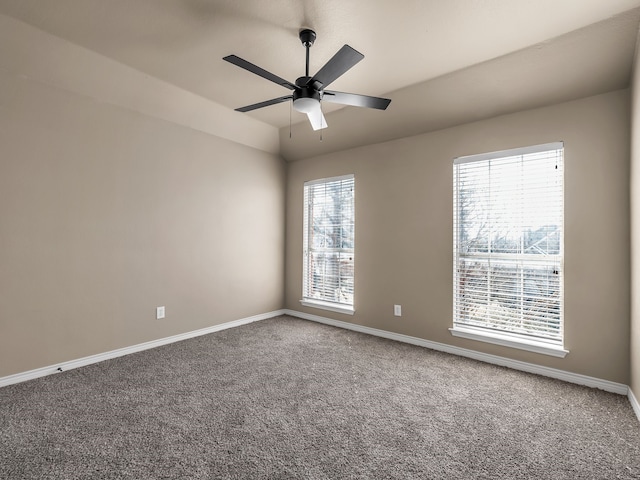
(323, 303)
(553, 347)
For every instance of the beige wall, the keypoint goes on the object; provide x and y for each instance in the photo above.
(404, 228)
(106, 213)
(635, 228)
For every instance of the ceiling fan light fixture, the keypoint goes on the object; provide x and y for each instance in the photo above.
(305, 104)
(305, 99)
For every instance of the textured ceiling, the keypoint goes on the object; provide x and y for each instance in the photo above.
(469, 58)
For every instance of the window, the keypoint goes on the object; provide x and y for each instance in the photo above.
(329, 227)
(508, 248)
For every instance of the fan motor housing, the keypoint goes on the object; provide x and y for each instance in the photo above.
(305, 91)
(304, 97)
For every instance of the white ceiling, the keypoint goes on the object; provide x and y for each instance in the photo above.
(435, 49)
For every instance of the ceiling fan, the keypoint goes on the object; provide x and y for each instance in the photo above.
(308, 91)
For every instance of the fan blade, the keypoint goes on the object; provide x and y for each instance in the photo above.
(342, 61)
(259, 71)
(255, 106)
(356, 100)
(316, 119)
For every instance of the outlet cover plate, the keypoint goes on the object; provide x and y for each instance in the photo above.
(159, 313)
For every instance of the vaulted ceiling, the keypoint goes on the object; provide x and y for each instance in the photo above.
(441, 62)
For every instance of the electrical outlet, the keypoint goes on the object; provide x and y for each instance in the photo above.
(159, 312)
(397, 310)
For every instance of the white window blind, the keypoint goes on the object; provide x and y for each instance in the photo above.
(508, 243)
(329, 228)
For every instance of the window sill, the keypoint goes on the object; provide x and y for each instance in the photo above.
(333, 307)
(508, 341)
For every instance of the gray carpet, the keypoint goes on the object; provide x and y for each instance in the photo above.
(287, 398)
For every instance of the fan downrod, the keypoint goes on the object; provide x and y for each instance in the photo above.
(307, 37)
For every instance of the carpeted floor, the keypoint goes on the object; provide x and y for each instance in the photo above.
(286, 398)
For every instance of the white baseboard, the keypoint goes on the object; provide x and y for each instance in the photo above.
(463, 352)
(81, 362)
(483, 357)
(634, 403)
